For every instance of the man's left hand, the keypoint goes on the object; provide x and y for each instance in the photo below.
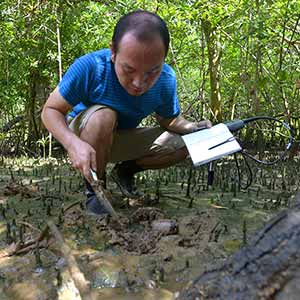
(201, 125)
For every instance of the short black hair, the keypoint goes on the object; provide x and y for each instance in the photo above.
(144, 25)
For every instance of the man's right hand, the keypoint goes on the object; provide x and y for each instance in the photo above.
(82, 155)
(83, 158)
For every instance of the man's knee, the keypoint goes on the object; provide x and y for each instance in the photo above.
(103, 118)
(102, 121)
(182, 153)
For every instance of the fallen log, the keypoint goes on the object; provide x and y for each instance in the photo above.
(267, 268)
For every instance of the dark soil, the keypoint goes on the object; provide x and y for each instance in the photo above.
(166, 238)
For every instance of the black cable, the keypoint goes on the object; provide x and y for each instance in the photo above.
(250, 178)
(236, 125)
(287, 148)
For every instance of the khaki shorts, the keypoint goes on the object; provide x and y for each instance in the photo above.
(134, 143)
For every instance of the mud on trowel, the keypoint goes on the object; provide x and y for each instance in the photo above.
(101, 196)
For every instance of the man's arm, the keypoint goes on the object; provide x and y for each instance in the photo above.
(180, 125)
(82, 155)
(53, 117)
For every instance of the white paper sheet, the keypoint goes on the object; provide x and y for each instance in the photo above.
(200, 143)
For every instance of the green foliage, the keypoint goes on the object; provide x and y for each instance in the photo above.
(258, 43)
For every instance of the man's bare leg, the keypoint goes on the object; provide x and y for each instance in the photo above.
(123, 173)
(98, 132)
(159, 161)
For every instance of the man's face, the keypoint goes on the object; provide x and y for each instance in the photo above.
(138, 64)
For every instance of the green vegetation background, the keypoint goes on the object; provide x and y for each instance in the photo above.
(233, 58)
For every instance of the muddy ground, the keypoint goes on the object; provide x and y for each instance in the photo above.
(179, 228)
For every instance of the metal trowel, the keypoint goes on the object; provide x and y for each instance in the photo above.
(101, 196)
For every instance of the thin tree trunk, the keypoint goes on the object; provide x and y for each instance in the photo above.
(59, 67)
(214, 57)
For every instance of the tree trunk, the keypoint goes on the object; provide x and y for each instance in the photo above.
(267, 269)
(214, 57)
(33, 132)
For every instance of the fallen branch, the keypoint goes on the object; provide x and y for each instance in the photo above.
(21, 248)
(81, 283)
(72, 205)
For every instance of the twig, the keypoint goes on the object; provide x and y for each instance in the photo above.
(20, 248)
(176, 198)
(72, 205)
(29, 225)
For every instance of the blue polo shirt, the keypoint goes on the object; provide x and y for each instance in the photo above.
(91, 79)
